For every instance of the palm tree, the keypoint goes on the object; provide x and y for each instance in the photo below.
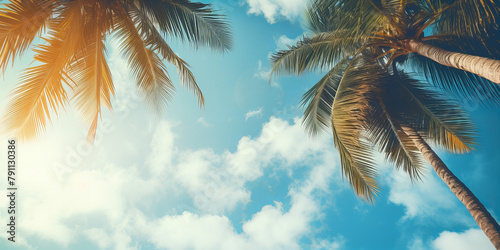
(444, 40)
(365, 106)
(71, 61)
(367, 101)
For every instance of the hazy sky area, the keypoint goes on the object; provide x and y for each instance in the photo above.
(240, 174)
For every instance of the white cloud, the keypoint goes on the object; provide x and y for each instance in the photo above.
(253, 113)
(277, 9)
(110, 200)
(416, 244)
(191, 231)
(284, 41)
(265, 74)
(328, 245)
(271, 228)
(98, 236)
(262, 73)
(470, 239)
(427, 198)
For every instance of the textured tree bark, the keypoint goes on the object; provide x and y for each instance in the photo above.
(485, 67)
(483, 218)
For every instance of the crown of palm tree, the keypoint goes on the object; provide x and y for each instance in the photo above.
(71, 61)
(344, 28)
(366, 107)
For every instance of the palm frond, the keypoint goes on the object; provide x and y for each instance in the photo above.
(470, 18)
(91, 73)
(385, 132)
(193, 21)
(359, 19)
(432, 115)
(158, 44)
(319, 99)
(146, 65)
(316, 53)
(462, 85)
(42, 87)
(20, 23)
(350, 104)
(40, 92)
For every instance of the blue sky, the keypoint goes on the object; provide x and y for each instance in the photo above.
(240, 174)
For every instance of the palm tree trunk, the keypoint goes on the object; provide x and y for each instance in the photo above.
(483, 218)
(481, 66)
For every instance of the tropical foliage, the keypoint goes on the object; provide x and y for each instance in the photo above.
(366, 106)
(369, 102)
(70, 55)
(402, 31)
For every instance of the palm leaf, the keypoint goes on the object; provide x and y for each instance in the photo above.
(350, 104)
(42, 87)
(195, 22)
(20, 23)
(41, 91)
(470, 18)
(359, 18)
(91, 73)
(148, 69)
(432, 115)
(319, 99)
(158, 44)
(315, 53)
(385, 132)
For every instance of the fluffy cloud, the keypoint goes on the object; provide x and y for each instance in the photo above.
(165, 192)
(427, 198)
(284, 41)
(276, 9)
(420, 198)
(470, 239)
(271, 228)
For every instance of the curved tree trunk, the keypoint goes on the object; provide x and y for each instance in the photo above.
(483, 218)
(481, 66)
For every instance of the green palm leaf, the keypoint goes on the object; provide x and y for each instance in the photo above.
(155, 40)
(150, 73)
(195, 22)
(319, 99)
(435, 117)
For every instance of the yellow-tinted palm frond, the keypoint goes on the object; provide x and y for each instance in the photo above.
(20, 23)
(350, 103)
(42, 87)
(73, 53)
(316, 53)
(158, 44)
(41, 91)
(91, 73)
(319, 99)
(94, 84)
(150, 72)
